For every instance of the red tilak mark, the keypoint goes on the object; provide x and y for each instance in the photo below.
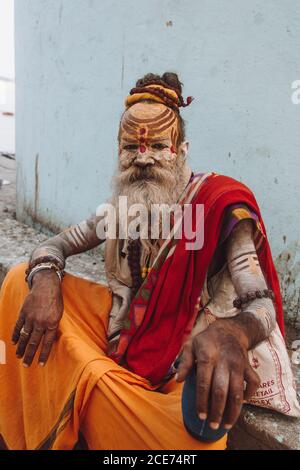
(172, 149)
(142, 131)
(142, 140)
(142, 148)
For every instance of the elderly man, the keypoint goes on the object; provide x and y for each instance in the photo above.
(100, 361)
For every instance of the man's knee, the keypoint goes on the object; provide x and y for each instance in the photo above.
(16, 274)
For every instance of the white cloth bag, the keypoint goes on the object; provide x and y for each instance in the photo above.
(269, 359)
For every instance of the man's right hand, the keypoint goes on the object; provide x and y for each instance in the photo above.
(39, 318)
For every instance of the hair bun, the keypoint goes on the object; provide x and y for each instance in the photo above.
(171, 78)
(168, 78)
(170, 90)
(148, 78)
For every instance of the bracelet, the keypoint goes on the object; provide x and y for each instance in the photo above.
(42, 267)
(257, 294)
(45, 259)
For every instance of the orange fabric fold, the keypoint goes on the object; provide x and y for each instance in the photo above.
(81, 389)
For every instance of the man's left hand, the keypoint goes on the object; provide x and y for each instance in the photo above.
(221, 359)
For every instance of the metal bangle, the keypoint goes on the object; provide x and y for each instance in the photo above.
(46, 259)
(42, 267)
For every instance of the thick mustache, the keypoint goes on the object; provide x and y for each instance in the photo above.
(148, 172)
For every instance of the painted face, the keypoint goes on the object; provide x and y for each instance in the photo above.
(148, 133)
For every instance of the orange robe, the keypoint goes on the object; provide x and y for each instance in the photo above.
(80, 388)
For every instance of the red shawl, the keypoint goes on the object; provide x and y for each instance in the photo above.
(163, 312)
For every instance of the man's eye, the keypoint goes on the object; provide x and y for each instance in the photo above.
(131, 147)
(159, 146)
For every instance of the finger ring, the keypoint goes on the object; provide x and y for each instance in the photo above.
(51, 328)
(23, 332)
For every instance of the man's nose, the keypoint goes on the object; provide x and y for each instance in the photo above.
(142, 160)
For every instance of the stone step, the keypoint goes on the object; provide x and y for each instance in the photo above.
(256, 428)
(18, 240)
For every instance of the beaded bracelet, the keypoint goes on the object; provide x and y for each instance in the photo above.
(257, 294)
(46, 259)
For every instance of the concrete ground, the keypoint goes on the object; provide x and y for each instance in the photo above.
(18, 240)
(7, 127)
(7, 192)
(256, 429)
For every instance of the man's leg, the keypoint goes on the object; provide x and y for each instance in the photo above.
(39, 406)
(123, 414)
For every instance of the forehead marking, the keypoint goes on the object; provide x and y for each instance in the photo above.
(157, 130)
(139, 120)
(138, 130)
(130, 141)
(152, 129)
(155, 122)
(174, 135)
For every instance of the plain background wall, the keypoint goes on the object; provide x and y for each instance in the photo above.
(76, 60)
(7, 75)
(7, 65)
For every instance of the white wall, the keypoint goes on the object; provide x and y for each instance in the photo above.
(7, 74)
(77, 60)
(7, 61)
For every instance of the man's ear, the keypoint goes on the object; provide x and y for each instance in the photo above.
(183, 149)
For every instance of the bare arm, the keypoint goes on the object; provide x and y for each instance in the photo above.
(42, 310)
(221, 350)
(75, 239)
(258, 317)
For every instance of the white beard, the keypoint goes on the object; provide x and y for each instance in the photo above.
(149, 186)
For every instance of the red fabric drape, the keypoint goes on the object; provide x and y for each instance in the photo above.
(163, 312)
